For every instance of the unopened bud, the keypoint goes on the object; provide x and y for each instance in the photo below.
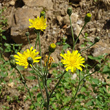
(11, 57)
(27, 33)
(87, 17)
(30, 60)
(96, 39)
(69, 11)
(64, 40)
(52, 47)
(42, 14)
(13, 63)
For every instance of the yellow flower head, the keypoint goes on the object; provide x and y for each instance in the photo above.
(72, 61)
(38, 23)
(21, 59)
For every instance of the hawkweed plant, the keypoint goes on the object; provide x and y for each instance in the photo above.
(73, 62)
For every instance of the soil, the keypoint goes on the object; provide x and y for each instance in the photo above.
(98, 26)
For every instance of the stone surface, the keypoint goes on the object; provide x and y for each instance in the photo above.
(21, 22)
(12, 3)
(74, 17)
(100, 48)
(60, 20)
(76, 30)
(38, 3)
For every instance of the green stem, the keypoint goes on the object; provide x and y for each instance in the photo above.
(28, 40)
(71, 30)
(39, 75)
(87, 47)
(37, 39)
(57, 84)
(36, 71)
(47, 94)
(24, 82)
(38, 35)
(79, 35)
(78, 89)
(41, 89)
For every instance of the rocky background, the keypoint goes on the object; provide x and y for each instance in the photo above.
(18, 13)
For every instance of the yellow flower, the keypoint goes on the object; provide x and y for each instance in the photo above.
(72, 61)
(21, 59)
(38, 23)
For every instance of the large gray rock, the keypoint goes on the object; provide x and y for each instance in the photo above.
(37, 3)
(76, 30)
(20, 23)
(100, 48)
(66, 21)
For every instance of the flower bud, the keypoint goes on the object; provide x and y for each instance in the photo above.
(69, 11)
(64, 40)
(27, 33)
(13, 63)
(52, 47)
(96, 39)
(42, 14)
(11, 57)
(30, 60)
(87, 17)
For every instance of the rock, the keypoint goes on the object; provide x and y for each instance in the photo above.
(11, 84)
(60, 20)
(74, 76)
(21, 22)
(79, 22)
(100, 48)
(55, 55)
(74, 17)
(39, 3)
(76, 30)
(74, 0)
(57, 12)
(12, 3)
(63, 12)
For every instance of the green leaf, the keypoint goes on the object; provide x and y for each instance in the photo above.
(96, 81)
(1, 49)
(106, 69)
(54, 65)
(58, 95)
(4, 37)
(90, 43)
(66, 46)
(82, 45)
(66, 99)
(31, 77)
(89, 103)
(83, 89)
(20, 67)
(32, 71)
(95, 58)
(7, 45)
